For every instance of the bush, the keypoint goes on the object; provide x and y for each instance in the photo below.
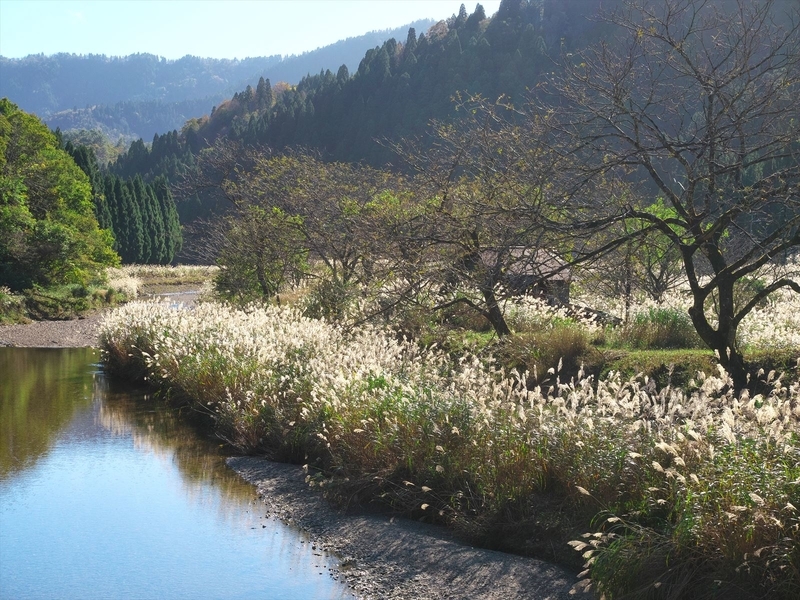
(329, 300)
(660, 328)
(561, 347)
(12, 307)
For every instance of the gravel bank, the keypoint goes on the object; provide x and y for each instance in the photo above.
(394, 559)
(76, 333)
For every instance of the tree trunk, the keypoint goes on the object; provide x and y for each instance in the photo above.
(723, 338)
(733, 362)
(494, 314)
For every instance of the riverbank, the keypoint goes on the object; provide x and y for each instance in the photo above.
(81, 332)
(390, 558)
(635, 478)
(72, 333)
(381, 557)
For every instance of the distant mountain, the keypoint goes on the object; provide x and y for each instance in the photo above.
(142, 94)
(396, 90)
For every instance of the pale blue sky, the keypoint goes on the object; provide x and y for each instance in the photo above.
(207, 28)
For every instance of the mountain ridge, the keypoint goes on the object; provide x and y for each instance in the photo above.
(142, 94)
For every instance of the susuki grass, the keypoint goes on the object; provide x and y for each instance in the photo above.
(682, 492)
(178, 274)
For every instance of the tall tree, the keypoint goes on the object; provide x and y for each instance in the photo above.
(85, 158)
(130, 234)
(482, 182)
(48, 232)
(173, 240)
(699, 105)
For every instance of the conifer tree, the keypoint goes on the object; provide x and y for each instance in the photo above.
(128, 227)
(139, 195)
(157, 233)
(86, 159)
(172, 227)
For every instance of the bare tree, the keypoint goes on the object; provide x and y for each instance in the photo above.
(483, 182)
(697, 102)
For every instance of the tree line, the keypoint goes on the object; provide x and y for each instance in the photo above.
(141, 216)
(669, 153)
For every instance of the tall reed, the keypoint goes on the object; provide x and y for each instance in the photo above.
(690, 484)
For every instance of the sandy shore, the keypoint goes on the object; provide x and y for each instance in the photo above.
(381, 557)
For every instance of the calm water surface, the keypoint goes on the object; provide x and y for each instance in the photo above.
(105, 493)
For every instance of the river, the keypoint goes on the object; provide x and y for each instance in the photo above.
(105, 492)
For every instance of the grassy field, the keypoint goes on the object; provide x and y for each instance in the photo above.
(645, 469)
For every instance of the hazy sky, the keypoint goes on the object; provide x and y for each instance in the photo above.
(208, 28)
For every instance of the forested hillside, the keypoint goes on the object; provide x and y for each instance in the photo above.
(143, 94)
(396, 90)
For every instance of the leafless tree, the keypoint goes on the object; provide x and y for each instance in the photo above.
(483, 182)
(696, 102)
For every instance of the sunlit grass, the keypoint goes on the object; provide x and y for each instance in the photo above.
(697, 483)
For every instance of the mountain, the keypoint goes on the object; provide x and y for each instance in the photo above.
(396, 90)
(142, 94)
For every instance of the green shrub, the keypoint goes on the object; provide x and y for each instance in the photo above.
(660, 328)
(329, 300)
(12, 307)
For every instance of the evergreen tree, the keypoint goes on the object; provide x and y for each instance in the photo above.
(157, 233)
(146, 254)
(86, 159)
(172, 228)
(129, 223)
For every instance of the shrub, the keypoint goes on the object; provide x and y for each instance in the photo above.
(660, 328)
(12, 307)
(330, 300)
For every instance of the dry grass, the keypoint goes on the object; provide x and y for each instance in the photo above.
(697, 484)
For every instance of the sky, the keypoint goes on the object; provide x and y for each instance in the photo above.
(206, 28)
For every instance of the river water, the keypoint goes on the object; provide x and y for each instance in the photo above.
(107, 493)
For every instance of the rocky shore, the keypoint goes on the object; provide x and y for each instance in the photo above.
(397, 559)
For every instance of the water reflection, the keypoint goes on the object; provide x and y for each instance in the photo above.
(104, 493)
(36, 403)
